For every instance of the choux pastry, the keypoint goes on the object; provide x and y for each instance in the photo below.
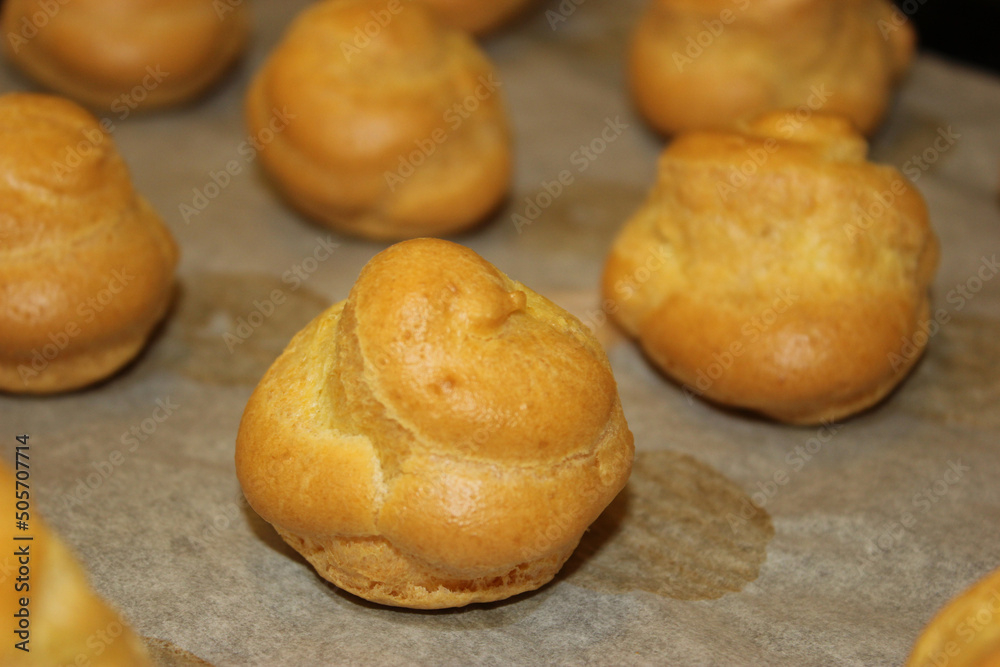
(707, 64)
(123, 55)
(392, 133)
(86, 265)
(443, 436)
(774, 269)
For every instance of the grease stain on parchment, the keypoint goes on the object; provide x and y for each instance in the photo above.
(165, 654)
(212, 305)
(679, 530)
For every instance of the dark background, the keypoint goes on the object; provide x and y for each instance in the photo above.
(964, 30)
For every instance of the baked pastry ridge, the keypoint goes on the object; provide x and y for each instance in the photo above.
(444, 436)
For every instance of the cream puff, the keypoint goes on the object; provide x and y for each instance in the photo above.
(86, 264)
(775, 269)
(387, 129)
(708, 64)
(443, 436)
(124, 55)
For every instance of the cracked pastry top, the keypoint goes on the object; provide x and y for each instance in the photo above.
(708, 64)
(86, 265)
(122, 55)
(776, 270)
(444, 436)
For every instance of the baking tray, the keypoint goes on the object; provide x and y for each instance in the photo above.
(738, 540)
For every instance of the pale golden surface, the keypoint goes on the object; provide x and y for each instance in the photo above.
(776, 270)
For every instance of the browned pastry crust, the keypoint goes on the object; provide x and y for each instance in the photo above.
(394, 135)
(707, 64)
(444, 436)
(776, 270)
(477, 16)
(125, 54)
(966, 632)
(66, 619)
(86, 266)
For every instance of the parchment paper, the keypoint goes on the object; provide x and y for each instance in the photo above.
(878, 522)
